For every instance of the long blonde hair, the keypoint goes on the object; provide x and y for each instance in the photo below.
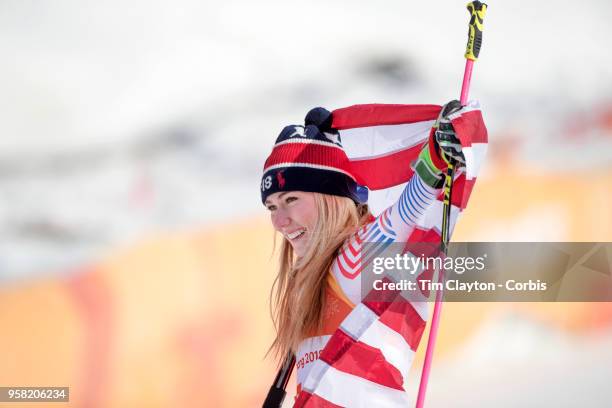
(297, 296)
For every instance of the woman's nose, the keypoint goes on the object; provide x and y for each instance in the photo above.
(280, 219)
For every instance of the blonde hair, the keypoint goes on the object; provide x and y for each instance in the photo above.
(297, 295)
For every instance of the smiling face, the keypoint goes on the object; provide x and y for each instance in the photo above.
(293, 214)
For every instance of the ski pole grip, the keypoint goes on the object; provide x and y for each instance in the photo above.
(477, 12)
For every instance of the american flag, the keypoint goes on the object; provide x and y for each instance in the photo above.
(366, 361)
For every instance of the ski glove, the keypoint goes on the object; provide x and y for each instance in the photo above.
(448, 145)
(442, 148)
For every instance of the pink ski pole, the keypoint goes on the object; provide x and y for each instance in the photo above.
(477, 12)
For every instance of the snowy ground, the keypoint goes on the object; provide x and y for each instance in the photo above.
(121, 119)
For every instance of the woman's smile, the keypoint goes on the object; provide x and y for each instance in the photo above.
(295, 235)
(293, 214)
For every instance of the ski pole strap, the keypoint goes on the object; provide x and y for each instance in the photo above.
(477, 12)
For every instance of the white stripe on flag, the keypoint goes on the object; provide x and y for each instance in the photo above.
(358, 321)
(375, 141)
(380, 200)
(348, 390)
(474, 157)
(317, 371)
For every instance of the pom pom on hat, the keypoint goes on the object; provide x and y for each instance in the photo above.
(321, 118)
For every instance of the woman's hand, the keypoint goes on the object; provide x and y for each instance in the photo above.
(447, 144)
(442, 148)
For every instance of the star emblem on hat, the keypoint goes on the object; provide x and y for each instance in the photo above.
(333, 137)
(298, 131)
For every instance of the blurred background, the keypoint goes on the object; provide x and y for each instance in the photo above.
(135, 256)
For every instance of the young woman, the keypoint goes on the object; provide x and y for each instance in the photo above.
(318, 208)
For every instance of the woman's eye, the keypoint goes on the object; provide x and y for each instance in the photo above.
(290, 199)
(271, 207)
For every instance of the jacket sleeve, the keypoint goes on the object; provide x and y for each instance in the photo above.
(397, 222)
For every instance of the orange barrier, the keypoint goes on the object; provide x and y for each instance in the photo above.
(174, 321)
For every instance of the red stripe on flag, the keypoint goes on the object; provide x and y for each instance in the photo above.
(404, 319)
(379, 300)
(308, 400)
(420, 248)
(397, 313)
(462, 189)
(424, 244)
(310, 154)
(470, 128)
(386, 171)
(376, 114)
(421, 235)
(426, 275)
(362, 360)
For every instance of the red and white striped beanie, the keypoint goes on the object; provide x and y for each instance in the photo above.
(310, 158)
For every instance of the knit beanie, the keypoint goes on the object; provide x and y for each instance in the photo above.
(310, 158)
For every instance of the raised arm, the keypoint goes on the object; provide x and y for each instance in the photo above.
(412, 210)
(398, 221)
